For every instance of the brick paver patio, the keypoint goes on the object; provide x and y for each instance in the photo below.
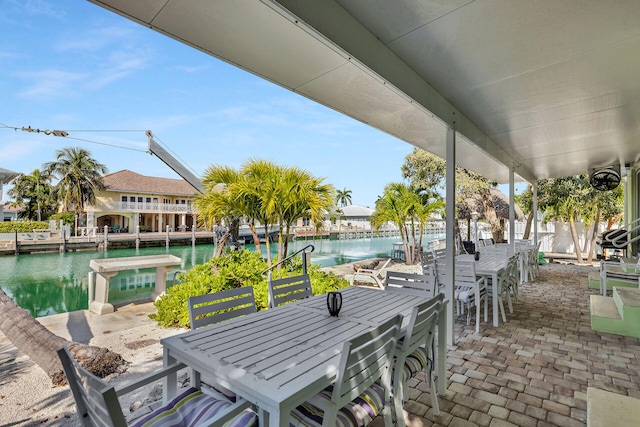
(535, 369)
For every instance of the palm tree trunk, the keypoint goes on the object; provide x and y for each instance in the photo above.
(40, 344)
(256, 238)
(527, 227)
(576, 243)
(594, 236)
(587, 239)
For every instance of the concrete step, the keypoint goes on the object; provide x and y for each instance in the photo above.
(604, 307)
(619, 314)
(607, 409)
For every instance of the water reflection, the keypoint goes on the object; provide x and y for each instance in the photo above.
(46, 284)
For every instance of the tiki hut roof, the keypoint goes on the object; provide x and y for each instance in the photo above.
(500, 201)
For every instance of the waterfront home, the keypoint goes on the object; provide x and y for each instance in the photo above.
(6, 176)
(130, 199)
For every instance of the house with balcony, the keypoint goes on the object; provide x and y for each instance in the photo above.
(130, 199)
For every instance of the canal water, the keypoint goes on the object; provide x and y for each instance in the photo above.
(46, 284)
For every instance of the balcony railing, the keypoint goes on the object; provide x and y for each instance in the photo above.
(145, 207)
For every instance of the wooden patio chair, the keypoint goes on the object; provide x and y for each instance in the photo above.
(362, 389)
(415, 353)
(220, 306)
(289, 289)
(411, 283)
(98, 403)
(217, 307)
(376, 274)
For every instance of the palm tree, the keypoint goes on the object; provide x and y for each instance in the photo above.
(40, 344)
(34, 191)
(300, 195)
(399, 204)
(343, 197)
(264, 192)
(79, 178)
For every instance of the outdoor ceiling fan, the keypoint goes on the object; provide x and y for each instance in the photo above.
(606, 178)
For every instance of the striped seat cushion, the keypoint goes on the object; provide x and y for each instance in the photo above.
(190, 409)
(415, 362)
(358, 413)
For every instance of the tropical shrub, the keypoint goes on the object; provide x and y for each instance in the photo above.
(68, 218)
(233, 269)
(22, 226)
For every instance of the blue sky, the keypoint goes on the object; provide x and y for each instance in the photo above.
(73, 66)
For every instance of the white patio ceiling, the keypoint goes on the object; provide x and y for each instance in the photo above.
(549, 88)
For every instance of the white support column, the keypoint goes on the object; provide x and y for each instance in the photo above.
(450, 250)
(535, 213)
(512, 211)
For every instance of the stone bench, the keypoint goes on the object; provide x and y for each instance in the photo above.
(105, 269)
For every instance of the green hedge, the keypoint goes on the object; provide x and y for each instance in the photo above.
(22, 226)
(233, 269)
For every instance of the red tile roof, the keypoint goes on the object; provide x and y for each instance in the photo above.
(131, 182)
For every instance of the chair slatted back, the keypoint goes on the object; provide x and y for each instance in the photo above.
(495, 251)
(439, 253)
(422, 326)
(365, 359)
(427, 260)
(464, 272)
(96, 399)
(220, 306)
(288, 289)
(408, 282)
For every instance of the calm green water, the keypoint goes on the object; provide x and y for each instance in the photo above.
(46, 284)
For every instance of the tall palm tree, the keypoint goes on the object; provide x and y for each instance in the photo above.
(343, 197)
(264, 192)
(400, 204)
(79, 178)
(35, 192)
(216, 204)
(40, 344)
(301, 195)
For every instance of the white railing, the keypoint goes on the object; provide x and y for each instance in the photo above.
(145, 207)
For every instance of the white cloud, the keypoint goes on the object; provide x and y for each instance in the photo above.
(52, 83)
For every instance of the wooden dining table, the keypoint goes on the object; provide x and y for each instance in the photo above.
(280, 357)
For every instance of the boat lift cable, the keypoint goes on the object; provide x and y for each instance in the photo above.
(65, 134)
(177, 165)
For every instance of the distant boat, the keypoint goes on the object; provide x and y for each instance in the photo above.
(244, 233)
